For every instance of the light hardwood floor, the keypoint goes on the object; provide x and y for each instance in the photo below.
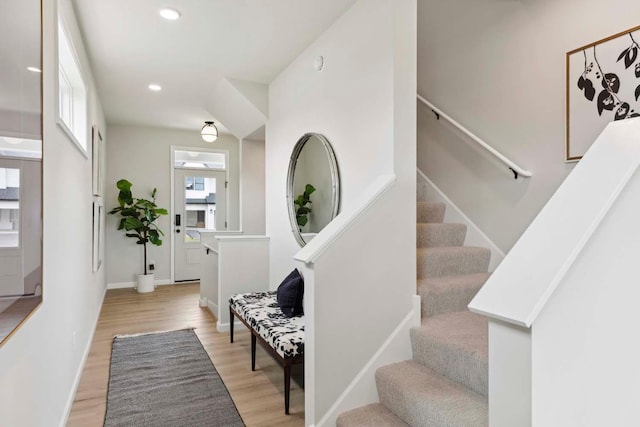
(259, 395)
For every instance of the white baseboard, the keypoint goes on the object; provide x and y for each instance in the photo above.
(362, 390)
(83, 362)
(213, 307)
(224, 327)
(475, 236)
(125, 285)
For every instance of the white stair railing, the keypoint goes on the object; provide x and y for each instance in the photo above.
(517, 170)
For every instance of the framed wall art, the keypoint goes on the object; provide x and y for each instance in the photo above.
(98, 233)
(603, 85)
(96, 151)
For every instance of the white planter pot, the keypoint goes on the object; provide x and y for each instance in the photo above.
(146, 283)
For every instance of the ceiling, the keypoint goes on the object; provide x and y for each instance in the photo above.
(130, 46)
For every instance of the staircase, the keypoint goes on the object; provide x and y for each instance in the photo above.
(445, 384)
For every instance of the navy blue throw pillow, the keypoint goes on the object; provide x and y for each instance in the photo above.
(290, 294)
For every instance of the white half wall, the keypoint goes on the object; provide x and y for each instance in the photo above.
(143, 156)
(243, 266)
(498, 68)
(40, 365)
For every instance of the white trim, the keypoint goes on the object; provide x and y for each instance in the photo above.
(65, 129)
(242, 238)
(343, 222)
(213, 308)
(126, 285)
(83, 362)
(354, 394)
(475, 236)
(416, 300)
(224, 327)
(511, 165)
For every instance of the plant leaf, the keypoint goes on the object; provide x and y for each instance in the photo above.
(124, 185)
(581, 82)
(605, 102)
(637, 92)
(622, 111)
(623, 54)
(611, 80)
(589, 90)
(631, 56)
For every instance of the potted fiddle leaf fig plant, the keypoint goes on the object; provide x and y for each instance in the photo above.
(138, 220)
(301, 202)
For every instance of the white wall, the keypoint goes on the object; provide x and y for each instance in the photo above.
(498, 67)
(127, 146)
(41, 362)
(252, 186)
(349, 102)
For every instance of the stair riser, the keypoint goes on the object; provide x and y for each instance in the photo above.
(439, 235)
(467, 368)
(433, 263)
(454, 300)
(430, 212)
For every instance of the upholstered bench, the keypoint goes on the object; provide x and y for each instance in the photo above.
(281, 336)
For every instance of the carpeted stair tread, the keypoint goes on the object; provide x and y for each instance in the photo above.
(422, 397)
(451, 261)
(455, 345)
(449, 293)
(429, 235)
(374, 415)
(430, 211)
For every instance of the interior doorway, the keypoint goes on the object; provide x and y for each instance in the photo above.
(199, 204)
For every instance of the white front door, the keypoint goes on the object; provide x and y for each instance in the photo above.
(199, 204)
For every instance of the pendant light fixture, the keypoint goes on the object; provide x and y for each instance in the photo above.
(209, 132)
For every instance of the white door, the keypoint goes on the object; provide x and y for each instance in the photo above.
(199, 204)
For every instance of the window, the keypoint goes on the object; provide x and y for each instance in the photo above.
(199, 160)
(199, 186)
(72, 92)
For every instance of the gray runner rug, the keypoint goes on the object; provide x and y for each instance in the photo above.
(164, 380)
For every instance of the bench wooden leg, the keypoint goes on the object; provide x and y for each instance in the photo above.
(287, 387)
(253, 351)
(231, 322)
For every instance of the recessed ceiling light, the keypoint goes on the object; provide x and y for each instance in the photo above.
(170, 14)
(34, 69)
(155, 87)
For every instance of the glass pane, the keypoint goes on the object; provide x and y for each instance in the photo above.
(200, 160)
(200, 207)
(9, 208)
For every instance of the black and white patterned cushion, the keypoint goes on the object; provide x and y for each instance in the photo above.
(260, 310)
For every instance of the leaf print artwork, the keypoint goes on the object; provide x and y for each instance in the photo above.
(603, 86)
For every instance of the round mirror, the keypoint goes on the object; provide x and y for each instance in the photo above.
(313, 187)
